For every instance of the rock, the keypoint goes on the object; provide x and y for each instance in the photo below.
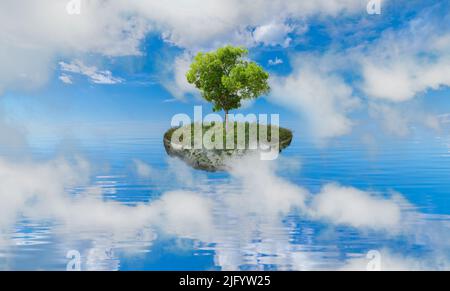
(216, 159)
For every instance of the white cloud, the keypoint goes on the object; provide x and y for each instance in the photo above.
(66, 79)
(174, 77)
(262, 191)
(273, 34)
(404, 63)
(322, 97)
(34, 34)
(186, 214)
(29, 49)
(402, 80)
(347, 205)
(22, 182)
(93, 73)
(38, 190)
(398, 66)
(275, 62)
(220, 22)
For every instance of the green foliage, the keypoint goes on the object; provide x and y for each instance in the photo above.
(225, 78)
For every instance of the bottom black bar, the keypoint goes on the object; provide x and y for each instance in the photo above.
(224, 280)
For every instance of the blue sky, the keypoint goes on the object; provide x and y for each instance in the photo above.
(333, 66)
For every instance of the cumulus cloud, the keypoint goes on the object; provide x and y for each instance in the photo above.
(322, 97)
(66, 79)
(221, 22)
(22, 182)
(399, 65)
(273, 34)
(34, 34)
(401, 80)
(256, 188)
(404, 63)
(29, 49)
(93, 73)
(347, 205)
(186, 214)
(262, 191)
(174, 77)
(39, 190)
(229, 22)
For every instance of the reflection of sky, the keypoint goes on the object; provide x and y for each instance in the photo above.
(243, 234)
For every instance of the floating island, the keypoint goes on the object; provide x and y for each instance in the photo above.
(216, 159)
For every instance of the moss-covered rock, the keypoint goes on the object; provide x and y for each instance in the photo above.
(213, 160)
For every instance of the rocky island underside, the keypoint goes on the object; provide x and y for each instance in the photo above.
(213, 160)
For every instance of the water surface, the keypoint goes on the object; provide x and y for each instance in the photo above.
(246, 237)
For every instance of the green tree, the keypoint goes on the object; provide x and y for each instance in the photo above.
(225, 78)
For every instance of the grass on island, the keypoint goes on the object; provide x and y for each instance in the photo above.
(285, 135)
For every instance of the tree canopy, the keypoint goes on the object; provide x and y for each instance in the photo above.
(225, 78)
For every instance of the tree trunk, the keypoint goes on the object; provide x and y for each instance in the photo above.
(226, 120)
